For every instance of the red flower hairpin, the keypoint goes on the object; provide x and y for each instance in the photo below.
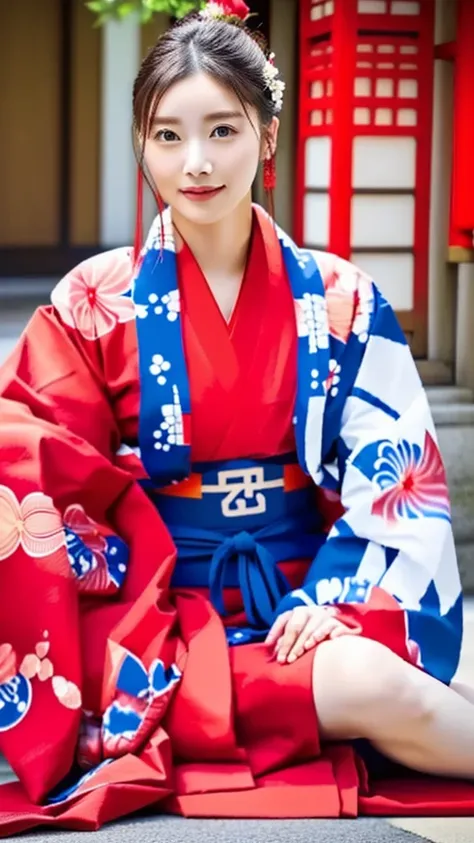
(226, 9)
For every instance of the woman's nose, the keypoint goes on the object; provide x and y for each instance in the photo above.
(197, 162)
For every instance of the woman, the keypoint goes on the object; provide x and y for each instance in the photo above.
(182, 624)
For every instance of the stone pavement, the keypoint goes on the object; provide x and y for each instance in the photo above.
(177, 830)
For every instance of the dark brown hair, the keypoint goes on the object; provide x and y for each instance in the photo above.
(228, 53)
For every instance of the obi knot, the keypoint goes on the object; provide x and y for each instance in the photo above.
(243, 542)
(261, 582)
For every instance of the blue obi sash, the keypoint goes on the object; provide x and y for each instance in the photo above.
(232, 522)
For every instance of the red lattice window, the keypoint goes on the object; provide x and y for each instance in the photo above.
(388, 7)
(386, 84)
(321, 9)
(320, 84)
(364, 141)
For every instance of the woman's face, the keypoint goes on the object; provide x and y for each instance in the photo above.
(203, 151)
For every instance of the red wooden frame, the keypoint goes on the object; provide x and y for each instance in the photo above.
(344, 36)
(462, 198)
(338, 37)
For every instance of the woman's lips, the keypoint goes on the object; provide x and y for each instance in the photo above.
(201, 194)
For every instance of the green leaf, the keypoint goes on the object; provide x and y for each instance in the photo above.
(107, 9)
(95, 6)
(146, 15)
(126, 9)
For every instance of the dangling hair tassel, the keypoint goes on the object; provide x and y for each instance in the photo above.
(161, 208)
(269, 174)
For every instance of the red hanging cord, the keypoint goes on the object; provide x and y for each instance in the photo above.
(137, 245)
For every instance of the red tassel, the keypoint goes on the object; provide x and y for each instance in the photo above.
(269, 174)
(137, 245)
(160, 206)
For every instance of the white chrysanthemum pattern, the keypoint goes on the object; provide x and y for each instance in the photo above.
(158, 366)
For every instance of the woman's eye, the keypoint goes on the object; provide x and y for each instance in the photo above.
(223, 131)
(166, 135)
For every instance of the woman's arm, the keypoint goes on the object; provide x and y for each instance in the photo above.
(389, 562)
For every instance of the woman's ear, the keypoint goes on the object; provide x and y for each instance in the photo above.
(270, 139)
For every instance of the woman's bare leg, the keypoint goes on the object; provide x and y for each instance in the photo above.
(363, 690)
(463, 690)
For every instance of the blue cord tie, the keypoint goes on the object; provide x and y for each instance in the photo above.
(262, 584)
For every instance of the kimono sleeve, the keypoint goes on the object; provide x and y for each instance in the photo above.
(73, 525)
(389, 562)
(58, 433)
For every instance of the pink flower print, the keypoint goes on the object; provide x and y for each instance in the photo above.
(37, 663)
(66, 692)
(8, 662)
(35, 524)
(337, 273)
(341, 307)
(93, 300)
(348, 296)
(364, 305)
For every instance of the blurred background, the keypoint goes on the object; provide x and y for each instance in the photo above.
(374, 163)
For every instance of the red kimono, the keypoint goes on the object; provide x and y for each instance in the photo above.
(237, 735)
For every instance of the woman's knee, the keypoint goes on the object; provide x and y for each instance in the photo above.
(359, 684)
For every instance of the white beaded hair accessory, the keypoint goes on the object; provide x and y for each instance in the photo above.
(275, 85)
(237, 11)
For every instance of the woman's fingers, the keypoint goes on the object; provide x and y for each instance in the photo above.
(294, 632)
(277, 629)
(293, 629)
(308, 633)
(331, 629)
(316, 631)
(342, 629)
(325, 630)
(303, 622)
(312, 634)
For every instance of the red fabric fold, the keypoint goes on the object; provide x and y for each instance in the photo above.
(382, 619)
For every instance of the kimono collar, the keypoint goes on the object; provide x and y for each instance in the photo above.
(165, 406)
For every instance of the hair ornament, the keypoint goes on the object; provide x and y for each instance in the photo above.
(236, 11)
(233, 11)
(275, 85)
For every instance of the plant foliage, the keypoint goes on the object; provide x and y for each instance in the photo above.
(145, 9)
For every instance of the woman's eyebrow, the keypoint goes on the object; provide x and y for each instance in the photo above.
(216, 115)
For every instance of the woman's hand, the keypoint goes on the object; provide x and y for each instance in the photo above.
(296, 631)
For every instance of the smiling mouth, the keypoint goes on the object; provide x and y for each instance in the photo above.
(202, 194)
(200, 191)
